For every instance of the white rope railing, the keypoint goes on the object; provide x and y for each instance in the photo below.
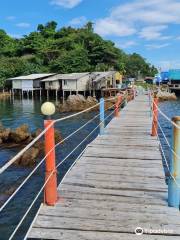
(166, 161)
(162, 113)
(18, 155)
(162, 150)
(58, 165)
(40, 163)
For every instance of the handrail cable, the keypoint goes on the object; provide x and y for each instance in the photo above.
(39, 164)
(169, 145)
(163, 114)
(57, 166)
(164, 156)
(18, 155)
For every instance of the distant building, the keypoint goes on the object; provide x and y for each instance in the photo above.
(102, 80)
(73, 82)
(174, 78)
(29, 83)
(164, 77)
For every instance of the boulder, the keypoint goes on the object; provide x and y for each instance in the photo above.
(29, 157)
(4, 134)
(165, 95)
(76, 103)
(20, 134)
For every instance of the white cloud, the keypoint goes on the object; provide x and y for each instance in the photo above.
(127, 44)
(178, 38)
(168, 64)
(149, 18)
(152, 32)
(157, 46)
(78, 21)
(10, 18)
(66, 3)
(152, 11)
(108, 26)
(23, 25)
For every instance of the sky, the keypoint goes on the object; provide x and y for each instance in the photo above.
(150, 28)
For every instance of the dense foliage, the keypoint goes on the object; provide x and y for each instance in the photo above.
(64, 51)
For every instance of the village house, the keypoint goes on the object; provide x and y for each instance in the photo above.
(28, 84)
(68, 83)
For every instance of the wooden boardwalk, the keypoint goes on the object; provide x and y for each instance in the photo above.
(116, 186)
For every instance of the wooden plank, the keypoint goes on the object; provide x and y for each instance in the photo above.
(116, 186)
(61, 234)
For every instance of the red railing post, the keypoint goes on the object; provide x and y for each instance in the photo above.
(50, 191)
(155, 117)
(119, 100)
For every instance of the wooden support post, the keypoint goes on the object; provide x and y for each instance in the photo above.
(155, 118)
(50, 191)
(101, 108)
(119, 100)
(174, 179)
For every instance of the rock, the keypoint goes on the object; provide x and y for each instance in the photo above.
(165, 95)
(58, 136)
(76, 103)
(91, 100)
(29, 157)
(75, 99)
(1, 141)
(20, 134)
(4, 134)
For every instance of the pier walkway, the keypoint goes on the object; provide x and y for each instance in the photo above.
(117, 186)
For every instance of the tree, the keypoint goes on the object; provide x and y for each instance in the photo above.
(75, 60)
(66, 50)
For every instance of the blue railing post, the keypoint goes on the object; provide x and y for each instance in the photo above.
(174, 179)
(101, 108)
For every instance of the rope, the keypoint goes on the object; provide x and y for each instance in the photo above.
(163, 114)
(164, 156)
(39, 164)
(8, 164)
(24, 216)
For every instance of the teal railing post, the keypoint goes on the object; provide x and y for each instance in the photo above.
(174, 179)
(101, 108)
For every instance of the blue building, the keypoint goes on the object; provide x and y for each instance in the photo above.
(174, 76)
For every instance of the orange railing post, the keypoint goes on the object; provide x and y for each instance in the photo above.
(119, 100)
(155, 117)
(50, 191)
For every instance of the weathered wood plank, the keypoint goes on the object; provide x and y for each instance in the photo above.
(60, 234)
(116, 186)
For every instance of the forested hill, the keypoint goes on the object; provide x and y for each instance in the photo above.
(64, 51)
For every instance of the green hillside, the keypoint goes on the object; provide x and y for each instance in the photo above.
(65, 50)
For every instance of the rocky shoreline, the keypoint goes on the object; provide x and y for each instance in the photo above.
(76, 103)
(4, 95)
(166, 96)
(19, 138)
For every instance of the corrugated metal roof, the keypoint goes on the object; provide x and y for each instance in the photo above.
(33, 76)
(69, 76)
(174, 74)
(98, 76)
